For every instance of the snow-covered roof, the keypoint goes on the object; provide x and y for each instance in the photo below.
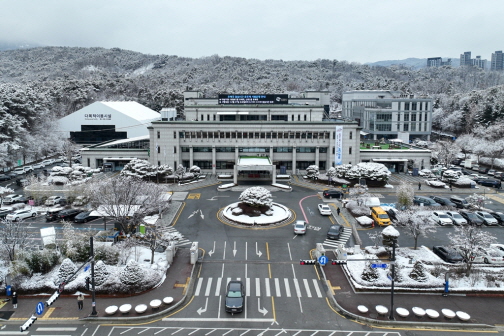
(134, 110)
(254, 161)
(138, 138)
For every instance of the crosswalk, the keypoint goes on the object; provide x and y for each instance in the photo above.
(330, 243)
(277, 287)
(176, 236)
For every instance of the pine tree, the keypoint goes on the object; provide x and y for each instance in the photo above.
(369, 274)
(66, 269)
(132, 274)
(101, 273)
(418, 272)
(398, 277)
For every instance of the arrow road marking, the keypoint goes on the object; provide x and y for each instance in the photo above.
(193, 213)
(261, 310)
(259, 253)
(201, 214)
(234, 250)
(213, 250)
(202, 310)
(214, 198)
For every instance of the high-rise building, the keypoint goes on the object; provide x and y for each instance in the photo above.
(437, 62)
(479, 62)
(465, 59)
(497, 62)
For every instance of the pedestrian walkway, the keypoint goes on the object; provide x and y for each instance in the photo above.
(276, 287)
(342, 240)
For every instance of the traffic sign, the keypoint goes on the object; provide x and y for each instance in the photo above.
(323, 260)
(378, 265)
(40, 308)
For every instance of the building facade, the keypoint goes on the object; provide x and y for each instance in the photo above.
(497, 62)
(465, 59)
(438, 62)
(293, 133)
(389, 114)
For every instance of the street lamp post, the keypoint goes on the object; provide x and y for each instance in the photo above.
(392, 264)
(93, 294)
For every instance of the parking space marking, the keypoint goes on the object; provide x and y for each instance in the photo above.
(194, 196)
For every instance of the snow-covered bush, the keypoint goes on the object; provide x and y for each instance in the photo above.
(341, 170)
(312, 172)
(464, 182)
(369, 274)
(256, 197)
(143, 169)
(357, 210)
(418, 273)
(66, 270)
(109, 254)
(364, 221)
(195, 170)
(476, 200)
(132, 274)
(451, 176)
(435, 184)
(101, 273)
(42, 261)
(370, 171)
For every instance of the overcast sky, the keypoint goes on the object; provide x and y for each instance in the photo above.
(352, 30)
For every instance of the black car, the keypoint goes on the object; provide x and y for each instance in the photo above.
(235, 297)
(335, 232)
(499, 216)
(68, 214)
(483, 170)
(447, 254)
(53, 214)
(443, 201)
(471, 218)
(426, 201)
(490, 183)
(392, 213)
(332, 194)
(85, 217)
(460, 202)
(4, 212)
(5, 177)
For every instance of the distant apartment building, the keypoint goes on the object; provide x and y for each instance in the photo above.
(438, 62)
(386, 114)
(465, 59)
(478, 62)
(497, 62)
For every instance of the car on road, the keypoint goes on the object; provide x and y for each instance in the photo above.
(85, 217)
(68, 214)
(486, 218)
(21, 214)
(335, 231)
(324, 209)
(471, 217)
(332, 194)
(448, 254)
(392, 213)
(456, 218)
(235, 297)
(5, 177)
(300, 227)
(52, 200)
(443, 201)
(426, 201)
(441, 218)
(12, 198)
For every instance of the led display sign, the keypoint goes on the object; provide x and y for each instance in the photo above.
(253, 99)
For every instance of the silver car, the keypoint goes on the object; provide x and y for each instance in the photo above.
(300, 227)
(456, 218)
(486, 218)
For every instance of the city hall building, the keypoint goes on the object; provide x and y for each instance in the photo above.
(255, 136)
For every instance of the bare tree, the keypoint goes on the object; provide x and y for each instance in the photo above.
(13, 237)
(417, 222)
(405, 193)
(126, 199)
(467, 238)
(446, 151)
(68, 148)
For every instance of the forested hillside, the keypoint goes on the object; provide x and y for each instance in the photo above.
(40, 84)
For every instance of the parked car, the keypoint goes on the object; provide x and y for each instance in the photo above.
(498, 175)
(441, 218)
(332, 194)
(19, 171)
(5, 177)
(498, 248)
(52, 200)
(426, 201)
(471, 217)
(379, 216)
(392, 213)
(490, 183)
(499, 216)
(5, 211)
(48, 162)
(300, 227)
(447, 254)
(68, 214)
(456, 218)
(17, 215)
(38, 165)
(52, 215)
(459, 202)
(11, 199)
(488, 255)
(491, 172)
(475, 167)
(335, 231)
(486, 218)
(80, 201)
(483, 170)
(235, 297)
(324, 209)
(443, 201)
(85, 217)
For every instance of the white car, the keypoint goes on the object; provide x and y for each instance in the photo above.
(48, 162)
(441, 218)
(487, 255)
(499, 248)
(21, 214)
(456, 218)
(486, 218)
(9, 199)
(52, 200)
(80, 201)
(324, 209)
(20, 171)
(300, 227)
(38, 165)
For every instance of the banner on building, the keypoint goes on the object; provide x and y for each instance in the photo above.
(338, 146)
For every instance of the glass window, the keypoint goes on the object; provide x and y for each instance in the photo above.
(406, 106)
(413, 106)
(406, 127)
(351, 133)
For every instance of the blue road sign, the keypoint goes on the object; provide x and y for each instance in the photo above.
(40, 308)
(323, 260)
(378, 265)
(86, 267)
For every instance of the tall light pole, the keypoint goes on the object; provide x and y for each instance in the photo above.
(392, 264)
(93, 294)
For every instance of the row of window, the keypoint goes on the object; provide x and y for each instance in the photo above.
(252, 117)
(384, 117)
(406, 127)
(186, 149)
(206, 164)
(254, 135)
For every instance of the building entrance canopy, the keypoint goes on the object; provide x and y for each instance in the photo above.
(254, 163)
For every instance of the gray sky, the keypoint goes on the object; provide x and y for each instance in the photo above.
(351, 30)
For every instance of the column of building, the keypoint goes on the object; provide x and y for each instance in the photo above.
(191, 156)
(214, 160)
(294, 160)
